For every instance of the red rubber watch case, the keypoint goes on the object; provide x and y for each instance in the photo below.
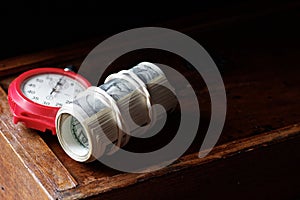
(35, 96)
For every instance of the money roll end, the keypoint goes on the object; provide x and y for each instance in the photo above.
(72, 135)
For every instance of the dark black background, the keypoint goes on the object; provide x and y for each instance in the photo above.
(30, 27)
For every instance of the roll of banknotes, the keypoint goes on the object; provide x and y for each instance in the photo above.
(101, 119)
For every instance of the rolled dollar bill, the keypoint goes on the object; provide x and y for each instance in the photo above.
(101, 119)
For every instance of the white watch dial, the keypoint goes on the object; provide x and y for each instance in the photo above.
(51, 89)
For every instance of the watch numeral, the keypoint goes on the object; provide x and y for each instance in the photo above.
(49, 78)
(39, 80)
(46, 103)
(35, 98)
(31, 85)
(58, 104)
(31, 92)
(68, 102)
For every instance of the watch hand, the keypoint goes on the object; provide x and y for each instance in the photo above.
(57, 84)
(53, 89)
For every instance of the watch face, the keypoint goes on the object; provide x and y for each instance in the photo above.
(51, 89)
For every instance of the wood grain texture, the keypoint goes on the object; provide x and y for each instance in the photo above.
(47, 58)
(29, 150)
(93, 186)
(267, 172)
(228, 151)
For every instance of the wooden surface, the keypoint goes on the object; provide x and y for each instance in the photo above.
(256, 156)
(46, 175)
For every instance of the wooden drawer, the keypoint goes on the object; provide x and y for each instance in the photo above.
(255, 158)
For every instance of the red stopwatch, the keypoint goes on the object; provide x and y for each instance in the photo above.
(36, 95)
